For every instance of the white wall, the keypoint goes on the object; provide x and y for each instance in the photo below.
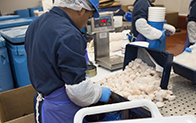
(180, 6)
(9, 6)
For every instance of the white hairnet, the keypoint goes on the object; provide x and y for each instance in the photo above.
(75, 4)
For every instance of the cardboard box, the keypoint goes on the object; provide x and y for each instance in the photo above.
(16, 105)
(108, 4)
(172, 18)
(127, 8)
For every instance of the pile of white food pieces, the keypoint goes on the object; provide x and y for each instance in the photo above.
(138, 81)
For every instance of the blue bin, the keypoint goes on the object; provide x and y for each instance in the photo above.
(15, 43)
(15, 22)
(8, 17)
(31, 10)
(23, 13)
(156, 43)
(6, 79)
(163, 58)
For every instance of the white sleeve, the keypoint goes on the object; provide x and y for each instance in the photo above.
(169, 28)
(85, 93)
(191, 29)
(146, 30)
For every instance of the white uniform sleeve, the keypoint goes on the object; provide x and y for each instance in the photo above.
(191, 28)
(171, 29)
(146, 30)
(84, 93)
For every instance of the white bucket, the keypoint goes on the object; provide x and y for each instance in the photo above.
(117, 21)
(156, 14)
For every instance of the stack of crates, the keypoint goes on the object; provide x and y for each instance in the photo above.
(15, 37)
(6, 79)
(25, 13)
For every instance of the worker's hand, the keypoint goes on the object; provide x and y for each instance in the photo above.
(105, 96)
(163, 36)
(188, 50)
(168, 33)
(170, 30)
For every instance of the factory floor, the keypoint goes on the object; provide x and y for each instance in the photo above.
(175, 43)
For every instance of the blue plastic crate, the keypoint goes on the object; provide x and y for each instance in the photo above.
(15, 22)
(6, 79)
(23, 13)
(15, 44)
(133, 113)
(186, 72)
(31, 10)
(14, 35)
(163, 58)
(8, 17)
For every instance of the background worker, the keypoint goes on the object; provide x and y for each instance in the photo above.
(191, 26)
(55, 50)
(140, 27)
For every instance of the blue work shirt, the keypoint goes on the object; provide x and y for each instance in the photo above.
(192, 14)
(55, 52)
(140, 10)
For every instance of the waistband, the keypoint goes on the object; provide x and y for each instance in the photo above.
(57, 96)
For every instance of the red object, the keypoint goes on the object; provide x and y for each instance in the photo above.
(104, 20)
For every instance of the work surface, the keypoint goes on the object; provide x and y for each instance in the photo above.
(183, 89)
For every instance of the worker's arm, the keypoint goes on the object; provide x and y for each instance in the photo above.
(148, 31)
(72, 65)
(84, 93)
(191, 29)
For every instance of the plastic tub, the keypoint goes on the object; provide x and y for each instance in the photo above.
(134, 113)
(183, 69)
(8, 17)
(117, 21)
(163, 58)
(15, 22)
(6, 81)
(15, 44)
(22, 13)
(156, 43)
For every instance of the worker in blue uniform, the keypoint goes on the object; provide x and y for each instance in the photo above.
(191, 27)
(140, 27)
(56, 61)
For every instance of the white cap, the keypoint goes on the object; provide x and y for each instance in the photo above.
(75, 4)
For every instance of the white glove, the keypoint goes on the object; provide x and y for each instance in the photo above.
(146, 30)
(85, 93)
(170, 30)
(191, 29)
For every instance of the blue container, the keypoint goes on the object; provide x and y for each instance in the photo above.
(8, 17)
(163, 58)
(15, 22)
(23, 13)
(15, 43)
(156, 43)
(128, 16)
(6, 79)
(31, 10)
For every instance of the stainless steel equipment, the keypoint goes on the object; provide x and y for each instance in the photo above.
(101, 27)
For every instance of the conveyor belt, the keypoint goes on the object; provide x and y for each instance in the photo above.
(185, 102)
